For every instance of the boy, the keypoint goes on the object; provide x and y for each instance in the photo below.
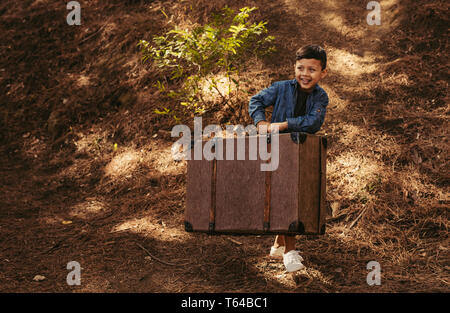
(299, 106)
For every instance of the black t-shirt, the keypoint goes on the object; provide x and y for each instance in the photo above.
(300, 107)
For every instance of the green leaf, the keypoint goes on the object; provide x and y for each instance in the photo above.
(166, 111)
(193, 56)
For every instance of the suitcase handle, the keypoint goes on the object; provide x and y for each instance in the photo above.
(298, 137)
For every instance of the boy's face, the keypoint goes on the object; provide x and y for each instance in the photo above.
(308, 72)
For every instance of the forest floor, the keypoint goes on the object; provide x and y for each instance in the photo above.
(69, 93)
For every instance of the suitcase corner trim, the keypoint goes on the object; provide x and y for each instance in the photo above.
(188, 227)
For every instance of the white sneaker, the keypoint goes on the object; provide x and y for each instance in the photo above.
(277, 252)
(293, 261)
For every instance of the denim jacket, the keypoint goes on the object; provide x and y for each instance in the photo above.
(283, 96)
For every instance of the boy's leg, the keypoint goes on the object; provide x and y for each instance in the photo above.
(277, 250)
(289, 243)
(285, 241)
(279, 241)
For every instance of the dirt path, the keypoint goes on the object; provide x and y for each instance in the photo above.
(120, 213)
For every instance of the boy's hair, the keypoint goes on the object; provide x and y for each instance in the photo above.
(312, 52)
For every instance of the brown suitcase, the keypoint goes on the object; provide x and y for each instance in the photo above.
(236, 197)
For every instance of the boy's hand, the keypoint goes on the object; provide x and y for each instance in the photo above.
(281, 126)
(260, 129)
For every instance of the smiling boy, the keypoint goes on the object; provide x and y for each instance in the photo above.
(299, 105)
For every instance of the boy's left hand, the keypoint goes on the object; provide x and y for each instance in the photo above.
(281, 126)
